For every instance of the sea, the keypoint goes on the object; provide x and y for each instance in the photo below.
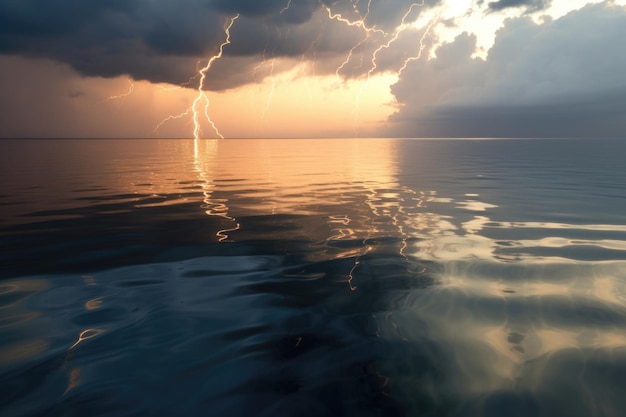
(313, 277)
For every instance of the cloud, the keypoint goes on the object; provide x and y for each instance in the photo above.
(531, 5)
(162, 40)
(561, 77)
(42, 98)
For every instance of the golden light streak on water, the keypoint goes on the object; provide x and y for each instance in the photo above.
(93, 304)
(85, 335)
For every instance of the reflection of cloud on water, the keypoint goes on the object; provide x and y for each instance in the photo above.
(512, 295)
(348, 284)
(293, 177)
(475, 205)
(475, 245)
(340, 187)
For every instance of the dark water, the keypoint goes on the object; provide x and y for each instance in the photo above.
(313, 277)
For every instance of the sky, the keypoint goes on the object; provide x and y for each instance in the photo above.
(312, 68)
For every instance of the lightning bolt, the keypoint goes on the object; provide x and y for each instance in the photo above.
(359, 23)
(348, 58)
(312, 50)
(173, 117)
(422, 45)
(396, 34)
(179, 86)
(131, 88)
(270, 96)
(286, 7)
(388, 39)
(272, 66)
(272, 89)
(375, 39)
(355, 8)
(201, 94)
(202, 98)
(369, 31)
(186, 83)
(354, 23)
(256, 69)
(258, 66)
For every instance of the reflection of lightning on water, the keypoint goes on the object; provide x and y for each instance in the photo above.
(202, 97)
(357, 262)
(84, 335)
(211, 206)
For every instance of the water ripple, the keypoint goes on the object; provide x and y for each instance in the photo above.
(369, 278)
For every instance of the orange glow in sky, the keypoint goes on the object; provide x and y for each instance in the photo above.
(303, 96)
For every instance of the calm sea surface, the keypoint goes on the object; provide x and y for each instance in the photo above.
(313, 278)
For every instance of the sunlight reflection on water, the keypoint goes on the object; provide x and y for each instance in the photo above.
(356, 277)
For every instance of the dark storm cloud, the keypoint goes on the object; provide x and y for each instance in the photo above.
(249, 7)
(162, 40)
(578, 117)
(531, 5)
(562, 77)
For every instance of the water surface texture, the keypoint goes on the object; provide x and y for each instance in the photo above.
(313, 277)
